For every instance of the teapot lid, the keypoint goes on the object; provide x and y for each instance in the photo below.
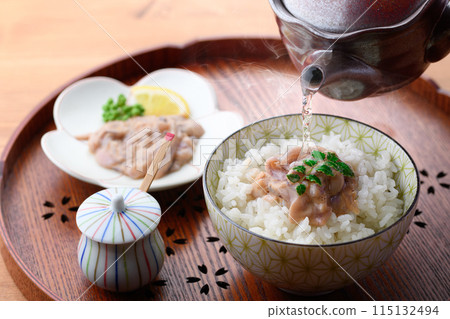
(339, 16)
(119, 215)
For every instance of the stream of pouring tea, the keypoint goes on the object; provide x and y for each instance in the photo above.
(311, 81)
(306, 118)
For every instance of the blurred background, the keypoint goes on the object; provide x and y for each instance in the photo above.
(44, 44)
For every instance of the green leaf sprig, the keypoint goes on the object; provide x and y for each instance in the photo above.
(318, 163)
(119, 110)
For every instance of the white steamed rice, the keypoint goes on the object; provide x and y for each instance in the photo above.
(377, 196)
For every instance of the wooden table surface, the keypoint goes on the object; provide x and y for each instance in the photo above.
(45, 44)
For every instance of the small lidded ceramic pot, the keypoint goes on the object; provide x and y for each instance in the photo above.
(120, 248)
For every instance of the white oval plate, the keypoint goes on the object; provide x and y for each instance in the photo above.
(78, 111)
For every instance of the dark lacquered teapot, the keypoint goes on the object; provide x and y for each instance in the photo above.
(358, 48)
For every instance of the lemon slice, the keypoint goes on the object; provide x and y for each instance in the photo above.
(160, 101)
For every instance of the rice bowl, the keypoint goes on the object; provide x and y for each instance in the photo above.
(310, 269)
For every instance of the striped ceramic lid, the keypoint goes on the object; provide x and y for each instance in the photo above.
(118, 215)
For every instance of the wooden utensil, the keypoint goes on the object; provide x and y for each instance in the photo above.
(154, 166)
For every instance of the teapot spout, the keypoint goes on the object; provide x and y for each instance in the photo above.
(311, 79)
(339, 76)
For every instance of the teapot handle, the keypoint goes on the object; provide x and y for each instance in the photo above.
(439, 45)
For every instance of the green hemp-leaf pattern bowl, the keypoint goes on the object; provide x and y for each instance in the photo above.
(311, 269)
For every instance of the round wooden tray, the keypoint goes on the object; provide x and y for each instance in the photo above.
(256, 78)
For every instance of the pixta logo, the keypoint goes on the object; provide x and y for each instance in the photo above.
(141, 149)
